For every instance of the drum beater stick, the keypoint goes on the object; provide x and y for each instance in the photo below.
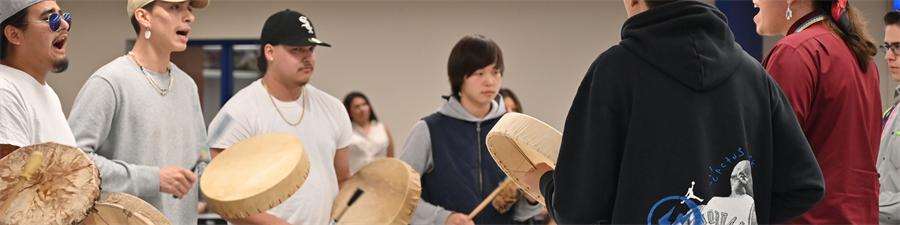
(32, 165)
(489, 198)
(359, 191)
(202, 162)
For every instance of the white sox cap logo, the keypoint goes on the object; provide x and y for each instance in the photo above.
(306, 25)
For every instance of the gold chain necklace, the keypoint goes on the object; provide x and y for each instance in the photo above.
(279, 110)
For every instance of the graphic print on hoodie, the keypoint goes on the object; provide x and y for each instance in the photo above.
(735, 209)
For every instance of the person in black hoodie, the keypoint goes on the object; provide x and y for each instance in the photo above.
(678, 125)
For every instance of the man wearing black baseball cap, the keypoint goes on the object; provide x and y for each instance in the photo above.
(283, 101)
(33, 37)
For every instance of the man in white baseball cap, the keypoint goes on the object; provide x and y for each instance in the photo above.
(32, 44)
(139, 118)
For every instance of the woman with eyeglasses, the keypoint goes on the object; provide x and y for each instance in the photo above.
(889, 153)
(825, 66)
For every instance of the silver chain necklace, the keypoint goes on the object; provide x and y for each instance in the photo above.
(161, 91)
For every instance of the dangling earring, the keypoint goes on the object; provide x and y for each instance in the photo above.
(147, 34)
(789, 14)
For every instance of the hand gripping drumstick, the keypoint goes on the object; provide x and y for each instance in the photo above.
(32, 165)
(489, 198)
(205, 156)
(359, 191)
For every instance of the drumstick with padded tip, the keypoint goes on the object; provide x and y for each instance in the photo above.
(489, 198)
(32, 165)
(359, 191)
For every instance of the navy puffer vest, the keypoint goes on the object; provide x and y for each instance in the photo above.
(464, 172)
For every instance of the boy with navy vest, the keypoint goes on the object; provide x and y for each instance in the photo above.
(448, 147)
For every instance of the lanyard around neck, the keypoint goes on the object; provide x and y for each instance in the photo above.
(809, 22)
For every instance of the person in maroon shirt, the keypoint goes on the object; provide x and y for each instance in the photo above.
(825, 66)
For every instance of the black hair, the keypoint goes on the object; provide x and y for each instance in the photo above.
(892, 18)
(471, 53)
(505, 92)
(349, 100)
(16, 20)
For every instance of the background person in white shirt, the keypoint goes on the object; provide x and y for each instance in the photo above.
(283, 101)
(371, 139)
(32, 44)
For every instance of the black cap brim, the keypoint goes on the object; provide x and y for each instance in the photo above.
(307, 42)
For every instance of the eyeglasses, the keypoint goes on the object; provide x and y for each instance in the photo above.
(895, 48)
(55, 20)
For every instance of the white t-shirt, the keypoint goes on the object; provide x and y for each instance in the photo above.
(30, 112)
(367, 148)
(324, 129)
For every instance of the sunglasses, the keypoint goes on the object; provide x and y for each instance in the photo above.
(55, 20)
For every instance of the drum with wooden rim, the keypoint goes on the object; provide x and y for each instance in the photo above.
(518, 142)
(391, 194)
(255, 175)
(61, 191)
(121, 208)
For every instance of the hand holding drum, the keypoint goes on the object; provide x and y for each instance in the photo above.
(518, 143)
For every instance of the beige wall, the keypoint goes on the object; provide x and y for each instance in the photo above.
(396, 51)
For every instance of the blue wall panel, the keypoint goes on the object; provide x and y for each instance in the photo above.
(740, 19)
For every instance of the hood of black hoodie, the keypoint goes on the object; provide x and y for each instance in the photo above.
(688, 40)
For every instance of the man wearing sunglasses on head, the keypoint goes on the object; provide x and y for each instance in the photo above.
(889, 150)
(33, 44)
(139, 118)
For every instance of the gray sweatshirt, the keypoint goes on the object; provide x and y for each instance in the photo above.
(417, 153)
(887, 163)
(130, 131)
